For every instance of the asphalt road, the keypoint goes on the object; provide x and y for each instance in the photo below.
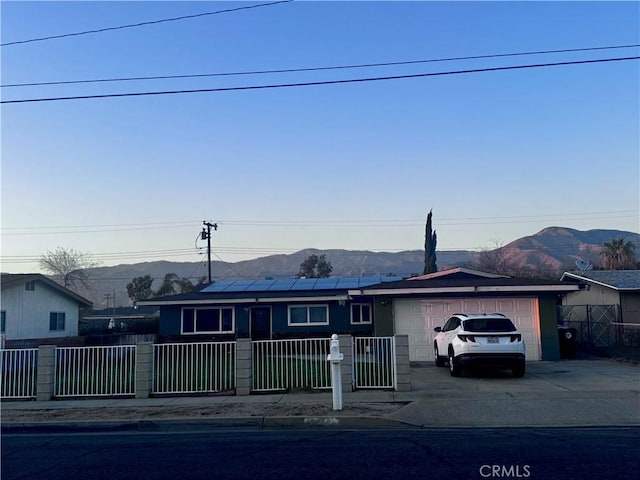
(188, 452)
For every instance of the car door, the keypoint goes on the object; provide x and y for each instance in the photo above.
(443, 338)
(453, 325)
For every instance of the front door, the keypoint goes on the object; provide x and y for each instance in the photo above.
(260, 321)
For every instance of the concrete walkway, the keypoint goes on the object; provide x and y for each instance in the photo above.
(569, 393)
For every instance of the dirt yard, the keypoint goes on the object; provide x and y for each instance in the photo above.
(229, 410)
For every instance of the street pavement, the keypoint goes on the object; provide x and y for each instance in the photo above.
(568, 393)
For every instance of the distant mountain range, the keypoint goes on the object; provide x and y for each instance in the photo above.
(552, 249)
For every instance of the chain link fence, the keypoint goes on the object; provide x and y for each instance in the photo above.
(600, 331)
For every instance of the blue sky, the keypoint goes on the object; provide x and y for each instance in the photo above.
(496, 155)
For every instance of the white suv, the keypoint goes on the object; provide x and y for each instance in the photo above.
(468, 340)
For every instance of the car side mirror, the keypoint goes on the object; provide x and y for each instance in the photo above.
(437, 329)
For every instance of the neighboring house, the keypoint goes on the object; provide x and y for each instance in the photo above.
(620, 288)
(121, 319)
(33, 306)
(415, 306)
(269, 309)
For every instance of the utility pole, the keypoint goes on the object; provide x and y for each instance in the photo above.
(206, 235)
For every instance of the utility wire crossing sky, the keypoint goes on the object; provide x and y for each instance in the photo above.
(495, 149)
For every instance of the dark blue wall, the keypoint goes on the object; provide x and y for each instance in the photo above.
(339, 321)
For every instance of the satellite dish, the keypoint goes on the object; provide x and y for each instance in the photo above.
(583, 265)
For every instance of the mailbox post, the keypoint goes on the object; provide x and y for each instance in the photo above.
(335, 357)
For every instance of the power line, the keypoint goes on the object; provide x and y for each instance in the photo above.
(153, 224)
(557, 246)
(326, 82)
(315, 69)
(354, 223)
(141, 24)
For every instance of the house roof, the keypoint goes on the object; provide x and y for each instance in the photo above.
(317, 289)
(458, 272)
(12, 279)
(454, 284)
(623, 280)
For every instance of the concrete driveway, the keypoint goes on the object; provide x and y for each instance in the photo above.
(565, 393)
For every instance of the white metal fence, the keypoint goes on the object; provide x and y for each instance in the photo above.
(194, 367)
(19, 373)
(290, 364)
(374, 362)
(95, 371)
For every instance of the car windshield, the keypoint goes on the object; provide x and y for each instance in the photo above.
(489, 325)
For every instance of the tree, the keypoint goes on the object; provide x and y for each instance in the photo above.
(315, 266)
(168, 285)
(494, 260)
(619, 255)
(430, 241)
(140, 288)
(69, 265)
(172, 284)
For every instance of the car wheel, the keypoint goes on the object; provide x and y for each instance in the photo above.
(518, 369)
(439, 360)
(454, 367)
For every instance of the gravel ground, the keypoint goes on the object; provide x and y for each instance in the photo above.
(194, 411)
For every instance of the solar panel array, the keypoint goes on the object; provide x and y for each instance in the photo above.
(297, 284)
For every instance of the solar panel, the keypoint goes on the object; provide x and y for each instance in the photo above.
(304, 284)
(282, 285)
(297, 284)
(260, 286)
(326, 284)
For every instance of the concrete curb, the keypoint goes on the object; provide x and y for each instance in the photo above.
(186, 424)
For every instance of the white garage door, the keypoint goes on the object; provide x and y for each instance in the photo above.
(418, 318)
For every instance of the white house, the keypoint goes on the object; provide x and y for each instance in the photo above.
(33, 306)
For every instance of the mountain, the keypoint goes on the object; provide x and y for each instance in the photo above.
(558, 248)
(553, 249)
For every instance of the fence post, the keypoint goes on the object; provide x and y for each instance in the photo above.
(346, 365)
(403, 369)
(243, 366)
(46, 372)
(144, 369)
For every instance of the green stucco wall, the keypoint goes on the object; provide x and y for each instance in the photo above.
(383, 317)
(549, 328)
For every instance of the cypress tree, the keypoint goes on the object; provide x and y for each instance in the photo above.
(430, 240)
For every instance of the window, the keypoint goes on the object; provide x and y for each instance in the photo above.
(56, 321)
(360, 313)
(489, 325)
(30, 286)
(207, 320)
(451, 324)
(308, 315)
(3, 321)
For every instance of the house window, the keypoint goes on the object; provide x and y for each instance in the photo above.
(3, 321)
(207, 320)
(308, 315)
(56, 321)
(360, 313)
(30, 286)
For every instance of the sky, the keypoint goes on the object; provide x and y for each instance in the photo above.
(496, 155)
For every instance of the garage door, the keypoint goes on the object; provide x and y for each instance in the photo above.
(417, 319)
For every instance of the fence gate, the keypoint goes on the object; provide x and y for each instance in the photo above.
(194, 367)
(290, 364)
(374, 362)
(593, 324)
